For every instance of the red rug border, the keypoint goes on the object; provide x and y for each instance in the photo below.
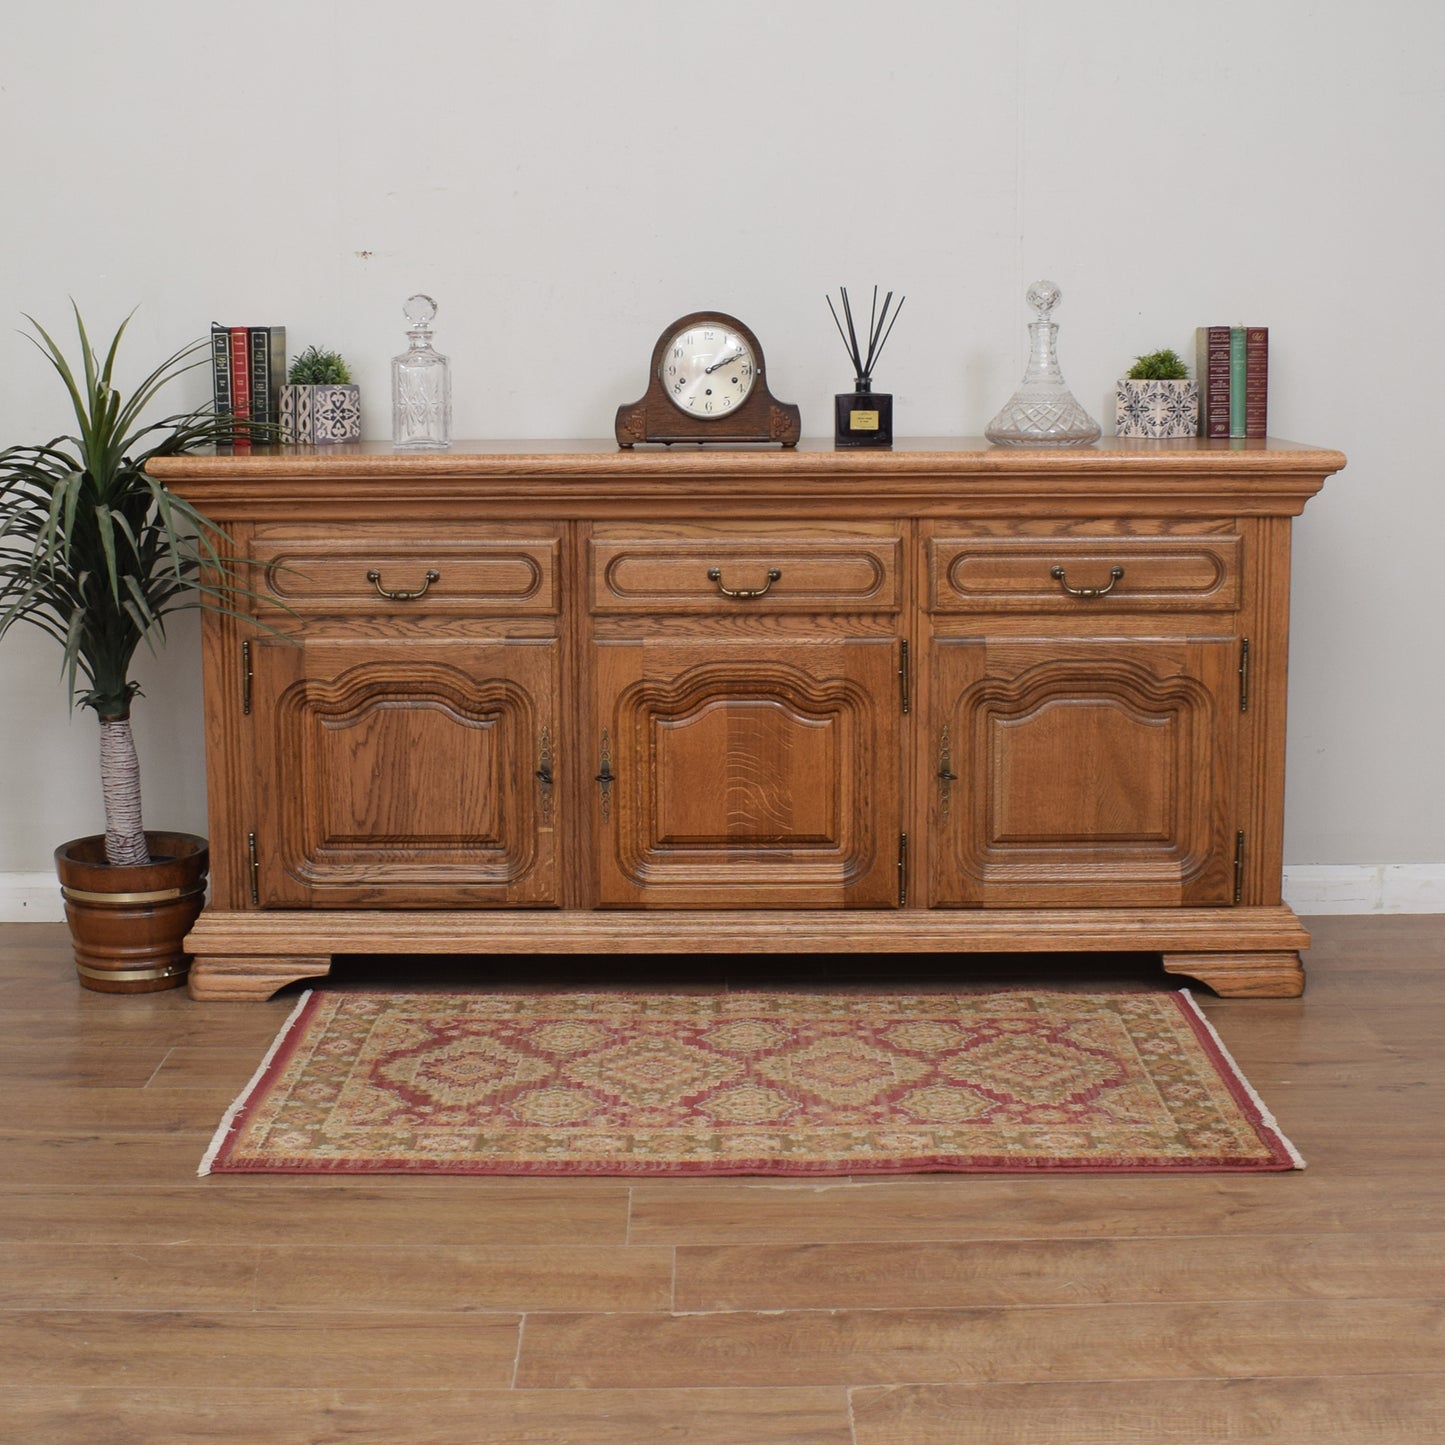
(1283, 1157)
(1250, 1103)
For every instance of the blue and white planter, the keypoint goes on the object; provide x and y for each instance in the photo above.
(315, 415)
(1156, 408)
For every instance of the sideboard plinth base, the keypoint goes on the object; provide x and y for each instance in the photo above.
(1242, 975)
(249, 978)
(1236, 951)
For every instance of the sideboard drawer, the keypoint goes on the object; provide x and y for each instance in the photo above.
(1031, 573)
(731, 569)
(381, 571)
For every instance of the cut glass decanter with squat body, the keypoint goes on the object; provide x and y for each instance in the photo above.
(1043, 412)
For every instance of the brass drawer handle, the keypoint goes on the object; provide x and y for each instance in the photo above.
(1115, 573)
(714, 574)
(374, 577)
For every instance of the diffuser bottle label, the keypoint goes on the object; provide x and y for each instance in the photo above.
(863, 421)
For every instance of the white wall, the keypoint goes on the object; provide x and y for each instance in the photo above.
(566, 178)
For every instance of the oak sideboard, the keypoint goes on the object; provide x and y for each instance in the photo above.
(555, 697)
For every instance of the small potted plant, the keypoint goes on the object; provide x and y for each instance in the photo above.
(320, 403)
(1156, 398)
(96, 552)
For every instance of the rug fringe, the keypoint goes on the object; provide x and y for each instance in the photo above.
(1265, 1116)
(228, 1119)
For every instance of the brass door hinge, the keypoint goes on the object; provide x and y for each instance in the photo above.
(1244, 675)
(903, 870)
(605, 776)
(255, 870)
(1239, 865)
(946, 776)
(246, 679)
(903, 678)
(544, 773)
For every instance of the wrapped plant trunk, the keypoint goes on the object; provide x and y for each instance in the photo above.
(125, 839)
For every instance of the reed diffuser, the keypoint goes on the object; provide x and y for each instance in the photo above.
(864, 417)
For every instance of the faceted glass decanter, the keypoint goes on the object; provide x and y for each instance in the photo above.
(421, 385)
(1043, 412)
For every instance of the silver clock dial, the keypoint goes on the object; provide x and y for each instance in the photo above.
(708, 369)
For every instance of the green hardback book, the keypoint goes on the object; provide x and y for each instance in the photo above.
(1236, 381)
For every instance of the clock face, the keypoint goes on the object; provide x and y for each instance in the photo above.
(707, 369)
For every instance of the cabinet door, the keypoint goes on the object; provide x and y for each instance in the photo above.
(742, 774)
(399, 773)
(1097, 773)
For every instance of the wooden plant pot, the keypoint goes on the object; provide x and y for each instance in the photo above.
(127, 923)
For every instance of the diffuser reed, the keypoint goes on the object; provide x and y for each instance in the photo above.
(864, 417)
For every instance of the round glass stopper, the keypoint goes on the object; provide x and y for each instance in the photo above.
(419, 309)
(1043, 296)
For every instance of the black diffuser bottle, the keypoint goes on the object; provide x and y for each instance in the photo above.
(864, 417)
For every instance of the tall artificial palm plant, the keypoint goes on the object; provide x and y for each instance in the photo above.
(96, 552)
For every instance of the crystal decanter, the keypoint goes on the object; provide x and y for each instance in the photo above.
(421, 385)
(1043, 412)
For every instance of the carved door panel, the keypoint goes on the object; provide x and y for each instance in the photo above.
(1085, 774)
(738, 774)
(401, 773)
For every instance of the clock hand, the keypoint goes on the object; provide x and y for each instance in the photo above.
(718, 365)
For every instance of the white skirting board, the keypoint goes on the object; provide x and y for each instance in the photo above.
(1309, 888)
(30, 898)
(1317, 888)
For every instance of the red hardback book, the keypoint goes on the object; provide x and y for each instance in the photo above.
(1211, 371)
(1256, 381)
(241, 378)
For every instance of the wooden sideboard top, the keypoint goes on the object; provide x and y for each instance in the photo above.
(586, 478)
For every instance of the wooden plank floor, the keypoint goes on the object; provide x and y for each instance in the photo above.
(139, 1303)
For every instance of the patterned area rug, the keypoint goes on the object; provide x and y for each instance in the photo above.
(746, 1083)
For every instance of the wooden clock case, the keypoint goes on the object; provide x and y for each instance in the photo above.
(760, 417)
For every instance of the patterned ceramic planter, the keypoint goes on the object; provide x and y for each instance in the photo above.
(314, 415)
(1156, 408)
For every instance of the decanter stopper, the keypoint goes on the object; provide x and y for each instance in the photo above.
(1043, 296)
(1043, 412)
(421, 384)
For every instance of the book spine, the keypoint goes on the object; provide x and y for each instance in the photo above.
(221, 368)
(1237, 370)
(260, 347)
(241, 378)
(277, 345)
(1256, 381)
(1211, 371)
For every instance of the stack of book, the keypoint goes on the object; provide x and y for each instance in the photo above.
(248, 367)
(1233, 373)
